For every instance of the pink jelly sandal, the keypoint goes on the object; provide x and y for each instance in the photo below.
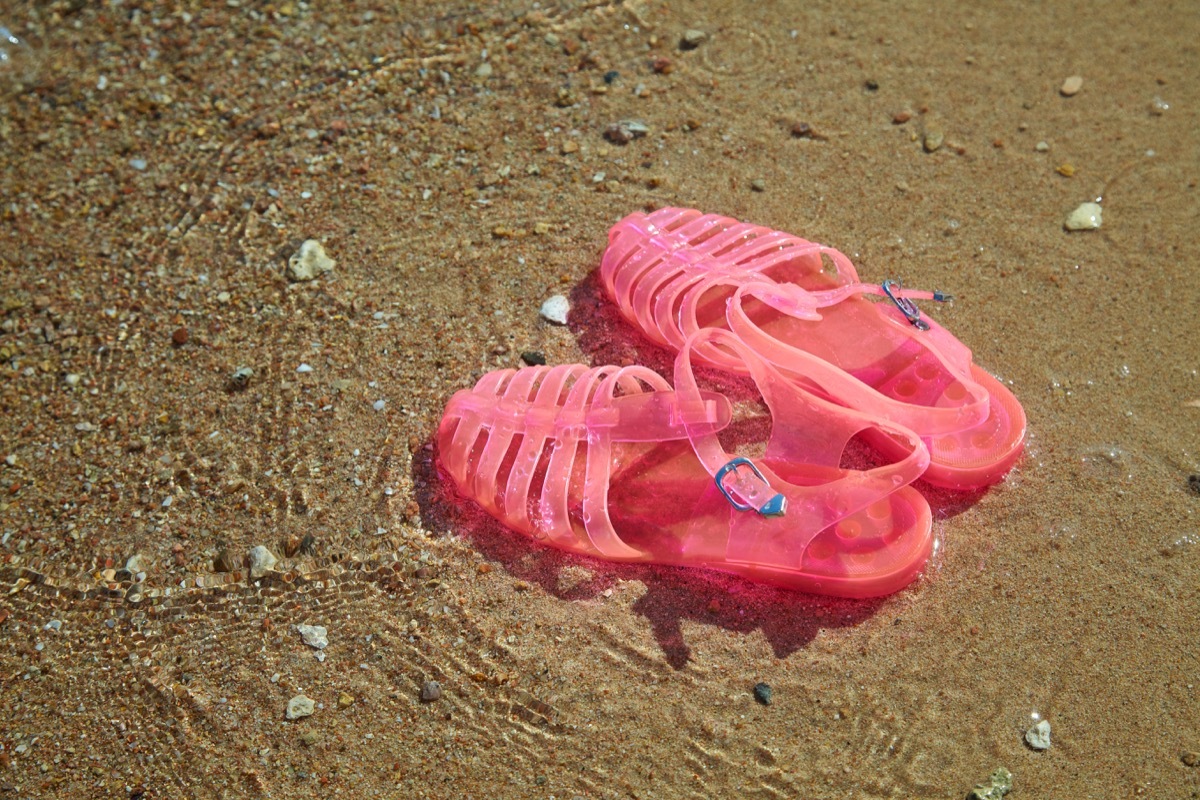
(866, 346)
(611, 462)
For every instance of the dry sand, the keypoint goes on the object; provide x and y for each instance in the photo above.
(161, 161)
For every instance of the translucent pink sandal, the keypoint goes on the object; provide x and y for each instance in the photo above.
(800, 305)
(611, 462)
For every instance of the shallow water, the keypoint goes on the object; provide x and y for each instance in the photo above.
(161, 164)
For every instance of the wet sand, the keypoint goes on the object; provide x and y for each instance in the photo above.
(162, 162)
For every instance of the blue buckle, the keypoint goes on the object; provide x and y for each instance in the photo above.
(775, 507)
(907, 307)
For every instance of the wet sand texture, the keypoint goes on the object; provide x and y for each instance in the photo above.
(171, 398)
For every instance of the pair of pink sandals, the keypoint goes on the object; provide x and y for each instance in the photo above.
(612, 462)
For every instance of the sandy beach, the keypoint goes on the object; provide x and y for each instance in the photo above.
(173, 398)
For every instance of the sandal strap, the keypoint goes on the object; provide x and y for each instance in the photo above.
(804, 429)
(835, 382)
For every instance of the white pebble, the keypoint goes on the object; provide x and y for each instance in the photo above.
(262, 561)
(1084, 218)
(314, 635)
(300, 706)
(556, 310)
(378, 405)
(304, 368)
(1071, 86)
(309, 261)
(1038, 737)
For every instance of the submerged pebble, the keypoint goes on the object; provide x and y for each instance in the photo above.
(309, 261)
(999, 784)
(625, 131)
(262, 561)
(314, 635)
(934, 137)
(1038, 737)
(1087, 217)
(692, 38)
(556, 310)
(300, 706)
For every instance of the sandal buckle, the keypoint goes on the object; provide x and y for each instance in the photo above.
(776, 506)
(907, 307)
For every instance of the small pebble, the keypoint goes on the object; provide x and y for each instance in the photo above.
(1071, 86)
(556, 310)
(533, 358)
(758, 185)
(1158, 107)
(1087, 217)
(309, 261)
(1041, 147)
(240, 378)
(933, 139)
(345, 700)
(310, 738)
(1190, 758)
(431, 691)
(692, 38)
(1193, 483)
(998, 785)
(179, 337)
(1038, 737)
(763, 693)
(138, 163)
(484, 70)
(300, 706)
(625, 131)
(314, 635)
(262, 561)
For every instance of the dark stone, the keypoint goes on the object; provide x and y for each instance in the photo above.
(871, 85)
(762, 693)
(533, 358)
(1194, 483)
(611, 76)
